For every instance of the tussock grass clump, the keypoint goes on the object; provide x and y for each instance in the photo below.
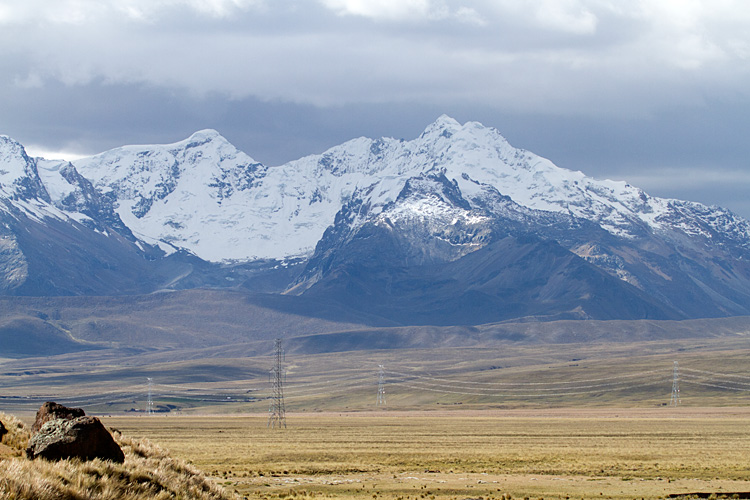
(18, 434)
(149, 472)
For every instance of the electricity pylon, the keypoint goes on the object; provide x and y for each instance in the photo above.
(277, 412)
(381, 386)
(675, 399)
(150, 404)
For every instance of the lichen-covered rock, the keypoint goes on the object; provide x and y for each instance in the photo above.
(83, 437)
(51, 411)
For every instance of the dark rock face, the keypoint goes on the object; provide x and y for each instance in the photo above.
(3, 431)
(61, 432)
(82, 437)
(51, 411)
(373, 270)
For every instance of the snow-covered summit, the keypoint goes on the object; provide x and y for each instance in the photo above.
(192, 194)
(203, 195)
(18, 173)
(456, 194)
(476, 157)
(42, 190)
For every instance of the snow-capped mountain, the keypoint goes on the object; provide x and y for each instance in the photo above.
(483, 167)
(192, 195)
(455, 214)
(203, 195)
(464, 187)
(60, 236)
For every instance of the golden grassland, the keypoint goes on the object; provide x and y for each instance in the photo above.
(149, 472)
(590, 453)
(435, 440)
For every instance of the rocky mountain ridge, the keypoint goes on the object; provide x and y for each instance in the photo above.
(378, 225)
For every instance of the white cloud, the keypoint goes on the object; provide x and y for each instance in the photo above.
(469, 15)
(566, 15)
(36, 151)
(387, 9)
(213, 8)
(405, 10)
(83, 12)
(40, 12)
(681, 178)
(690, 34)
(572, 61)
(603, 57)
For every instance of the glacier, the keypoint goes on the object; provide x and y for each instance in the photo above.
(205, 196)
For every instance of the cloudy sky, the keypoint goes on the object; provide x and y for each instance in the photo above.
(656, 92)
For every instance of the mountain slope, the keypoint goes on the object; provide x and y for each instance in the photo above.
(200, 194)
(60, 236)
(453, 226)
(472, 189)
(509, 278)
(431, 258)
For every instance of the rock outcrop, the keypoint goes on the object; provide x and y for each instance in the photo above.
(66, 434)
(51, 411)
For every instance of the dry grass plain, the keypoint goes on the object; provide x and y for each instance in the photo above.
(460, 422)
(432, 455)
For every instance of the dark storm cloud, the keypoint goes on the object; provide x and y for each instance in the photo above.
(655, 92)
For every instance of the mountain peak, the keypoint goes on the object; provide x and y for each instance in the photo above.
(444, 125)
(10, 147)
(205, 136)
(446, 120)
(207, 133)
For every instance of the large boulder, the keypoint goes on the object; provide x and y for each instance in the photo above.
(51, 411)
(82, 437)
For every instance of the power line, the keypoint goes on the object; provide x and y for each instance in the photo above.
(530, 384)
(277, 411)
(328, 392)
(614, 383)
(304, 385)
(704, 384)
(573, 390)
(720, 375)
(510, 390)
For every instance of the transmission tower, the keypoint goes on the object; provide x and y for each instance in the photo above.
(381, 386)
(675, 399)
(150, 404)
(277, 412)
